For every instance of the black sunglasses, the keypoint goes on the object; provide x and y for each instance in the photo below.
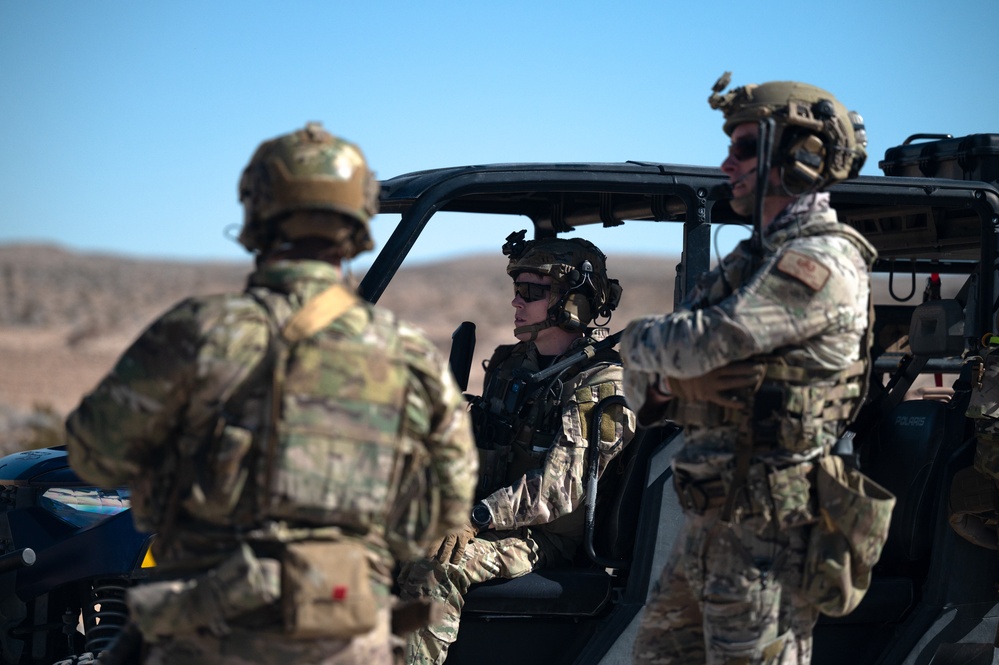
(744, 148)
(530, 291)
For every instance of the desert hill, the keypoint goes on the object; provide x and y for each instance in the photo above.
(66, 316)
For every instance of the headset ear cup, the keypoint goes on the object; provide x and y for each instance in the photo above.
(576, 312)
(805, 166)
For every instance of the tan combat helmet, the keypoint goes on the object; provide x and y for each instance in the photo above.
(306, 171)
(817, 141)
(581, 290)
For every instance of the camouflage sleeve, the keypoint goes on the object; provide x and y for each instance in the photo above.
(437, 407)
(558, 487)
(169, 381)
(808, 289)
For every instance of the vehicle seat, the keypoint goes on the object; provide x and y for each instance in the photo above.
(620, 500)
(585, 589)
(905, 452)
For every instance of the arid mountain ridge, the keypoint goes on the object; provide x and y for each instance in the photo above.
(66, 316)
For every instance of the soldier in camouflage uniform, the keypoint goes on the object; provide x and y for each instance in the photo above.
(534, 440)
(289, 443)
(762, 364)
(974, 498)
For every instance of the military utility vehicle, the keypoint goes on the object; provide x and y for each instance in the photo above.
(934, 220)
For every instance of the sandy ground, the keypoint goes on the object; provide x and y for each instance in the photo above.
(39, 368)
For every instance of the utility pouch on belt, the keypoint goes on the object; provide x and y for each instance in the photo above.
(240, 584)
(790, 494)
(326, 590)
(846, 542)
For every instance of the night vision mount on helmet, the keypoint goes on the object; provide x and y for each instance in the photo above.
(816, 141)
(581, 291)
(293, 177)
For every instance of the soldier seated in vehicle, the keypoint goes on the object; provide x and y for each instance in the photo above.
(532, 439)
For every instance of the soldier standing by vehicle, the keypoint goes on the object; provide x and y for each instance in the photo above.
(533, 438)
(974, 497)
(764, 364)
(289, 443)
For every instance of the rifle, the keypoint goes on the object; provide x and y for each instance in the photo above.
(587, 352)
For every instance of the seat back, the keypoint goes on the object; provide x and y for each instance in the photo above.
(901, 459)
(620, 495)
(903, 451)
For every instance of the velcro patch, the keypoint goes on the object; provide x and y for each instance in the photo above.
(804, 268)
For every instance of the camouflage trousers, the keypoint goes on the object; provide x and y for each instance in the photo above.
(493, 555)
(729, 594)
(974, 493)
(987, 448)
(260, 647)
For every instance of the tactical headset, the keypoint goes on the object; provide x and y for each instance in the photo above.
(581, 290)
(818, 142)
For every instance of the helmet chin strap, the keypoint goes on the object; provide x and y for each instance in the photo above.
(556, 311)
(550, 320)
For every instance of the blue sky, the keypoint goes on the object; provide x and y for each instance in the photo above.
(125, 124)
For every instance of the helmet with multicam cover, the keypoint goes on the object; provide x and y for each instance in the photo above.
(304, 172)
(581, 290)
(817, 141)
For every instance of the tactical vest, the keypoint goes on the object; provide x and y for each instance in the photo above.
(796, 410)
(515, 424)
(337, 449)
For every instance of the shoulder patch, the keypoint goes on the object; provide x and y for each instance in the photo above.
(804, 268)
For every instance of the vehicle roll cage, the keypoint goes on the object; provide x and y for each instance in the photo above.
(916, 224)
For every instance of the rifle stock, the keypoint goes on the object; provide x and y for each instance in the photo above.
(462, 349)
(565, 363)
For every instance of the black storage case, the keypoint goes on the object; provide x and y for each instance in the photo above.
(972, 157)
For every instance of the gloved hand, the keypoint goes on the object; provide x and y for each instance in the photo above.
(715, 386)
(450, 548)
(644, 397)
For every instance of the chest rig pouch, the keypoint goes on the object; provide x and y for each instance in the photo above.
(519, 415)
(508, 419)
(795, 412)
